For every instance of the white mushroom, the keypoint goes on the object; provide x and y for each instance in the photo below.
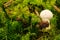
(46, 15)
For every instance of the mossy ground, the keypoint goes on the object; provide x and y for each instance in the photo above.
(19, 21)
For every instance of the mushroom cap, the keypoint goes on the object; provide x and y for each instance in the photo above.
(46, 14)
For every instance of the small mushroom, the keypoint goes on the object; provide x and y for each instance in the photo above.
(45, 15)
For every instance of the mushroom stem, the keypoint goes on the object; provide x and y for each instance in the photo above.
(46, 20)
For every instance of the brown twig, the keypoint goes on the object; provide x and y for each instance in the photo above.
(37, 13)
(8, 3)
(56, 8)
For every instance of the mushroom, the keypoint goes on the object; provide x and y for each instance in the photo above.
(46, 15)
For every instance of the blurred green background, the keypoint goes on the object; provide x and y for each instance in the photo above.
(19, 21)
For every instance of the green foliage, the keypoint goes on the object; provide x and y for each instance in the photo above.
(18, 21)
(57, 37)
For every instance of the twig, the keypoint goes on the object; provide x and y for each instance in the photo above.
(6, 15)
(8, 3)
(37, 13)
(56, 8)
